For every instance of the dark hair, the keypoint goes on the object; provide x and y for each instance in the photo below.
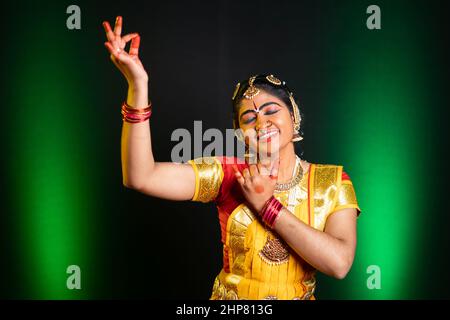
(281, 91)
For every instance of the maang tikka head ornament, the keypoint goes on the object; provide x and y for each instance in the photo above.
(252, 91)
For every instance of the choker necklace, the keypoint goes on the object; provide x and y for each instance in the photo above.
(294, 181)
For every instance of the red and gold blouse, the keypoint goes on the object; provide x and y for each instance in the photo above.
(257, 264)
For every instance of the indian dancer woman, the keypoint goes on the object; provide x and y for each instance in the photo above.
(282, 218)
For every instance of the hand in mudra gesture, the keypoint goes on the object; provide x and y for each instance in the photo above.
(127, 62)
(258, 182)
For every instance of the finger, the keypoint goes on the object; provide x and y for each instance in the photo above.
(274, 171)
(246, 174)
(116, 52)
(258, 165)
(134, 48)
(118, 26)
(254, 170)
(263, 170)
(128, 37)
(110, 48)
(123, 57)
(109, 32)
(238, 175)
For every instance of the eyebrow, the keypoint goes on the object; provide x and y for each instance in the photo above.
(263, 106)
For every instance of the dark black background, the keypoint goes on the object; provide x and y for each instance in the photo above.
(195, 52)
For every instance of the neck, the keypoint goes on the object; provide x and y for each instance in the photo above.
(287, 163)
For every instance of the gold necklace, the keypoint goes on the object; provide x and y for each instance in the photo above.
(279, 187)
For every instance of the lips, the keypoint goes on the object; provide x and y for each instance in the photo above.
(267, 134)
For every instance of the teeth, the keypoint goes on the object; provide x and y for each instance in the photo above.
(267, 134)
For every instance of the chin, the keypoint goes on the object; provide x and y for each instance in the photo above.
(268, 148)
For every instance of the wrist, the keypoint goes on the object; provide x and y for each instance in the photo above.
(259, 207)
(138, 86)
(137, 95)
(271, 211)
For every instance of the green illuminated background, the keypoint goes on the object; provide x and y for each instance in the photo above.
(373, 100)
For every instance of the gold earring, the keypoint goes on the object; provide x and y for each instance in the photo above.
(297, 136)
(297, 119)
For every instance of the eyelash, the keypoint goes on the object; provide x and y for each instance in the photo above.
(268, 112)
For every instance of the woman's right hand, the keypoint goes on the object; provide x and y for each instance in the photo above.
(127, 62)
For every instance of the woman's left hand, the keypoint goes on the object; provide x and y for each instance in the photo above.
(258, 183)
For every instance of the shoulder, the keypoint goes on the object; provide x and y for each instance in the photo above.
(330, 170)
(208, 178)
(215, 178)
(222, 164)
(326, 176)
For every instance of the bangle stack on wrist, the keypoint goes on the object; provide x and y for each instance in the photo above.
(134, 115)
(271, 212)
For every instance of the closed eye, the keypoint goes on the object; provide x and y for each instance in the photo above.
(249, 120)
(269, 112)
(268, 108)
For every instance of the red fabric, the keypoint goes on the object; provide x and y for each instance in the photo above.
(345, 176)
(230, 196)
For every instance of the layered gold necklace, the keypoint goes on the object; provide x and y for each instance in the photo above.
(275, 250)
(279, 187)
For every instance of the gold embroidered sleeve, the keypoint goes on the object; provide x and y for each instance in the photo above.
(346, 197)
(208, 178)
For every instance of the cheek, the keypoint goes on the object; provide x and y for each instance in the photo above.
(284, 122)
(248, 131)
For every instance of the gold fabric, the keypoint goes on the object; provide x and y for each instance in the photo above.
(346, 197)
(325, 183)
(208, 178)
(252, 275)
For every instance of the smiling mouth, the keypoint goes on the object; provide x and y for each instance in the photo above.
(267, 135)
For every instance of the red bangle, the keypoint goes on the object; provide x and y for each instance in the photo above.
(134, 115)
(271, 211)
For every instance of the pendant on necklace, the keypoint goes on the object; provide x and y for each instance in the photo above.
(275, 251)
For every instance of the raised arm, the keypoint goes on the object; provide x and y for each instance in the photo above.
(139, 170)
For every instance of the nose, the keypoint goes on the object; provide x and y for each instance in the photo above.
(261, 122)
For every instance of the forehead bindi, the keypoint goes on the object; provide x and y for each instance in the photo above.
(257, 102)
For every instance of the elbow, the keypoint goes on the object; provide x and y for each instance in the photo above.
(135, 180)
(342, 268)
(130, 184)
(341, 273)
(132, 181)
